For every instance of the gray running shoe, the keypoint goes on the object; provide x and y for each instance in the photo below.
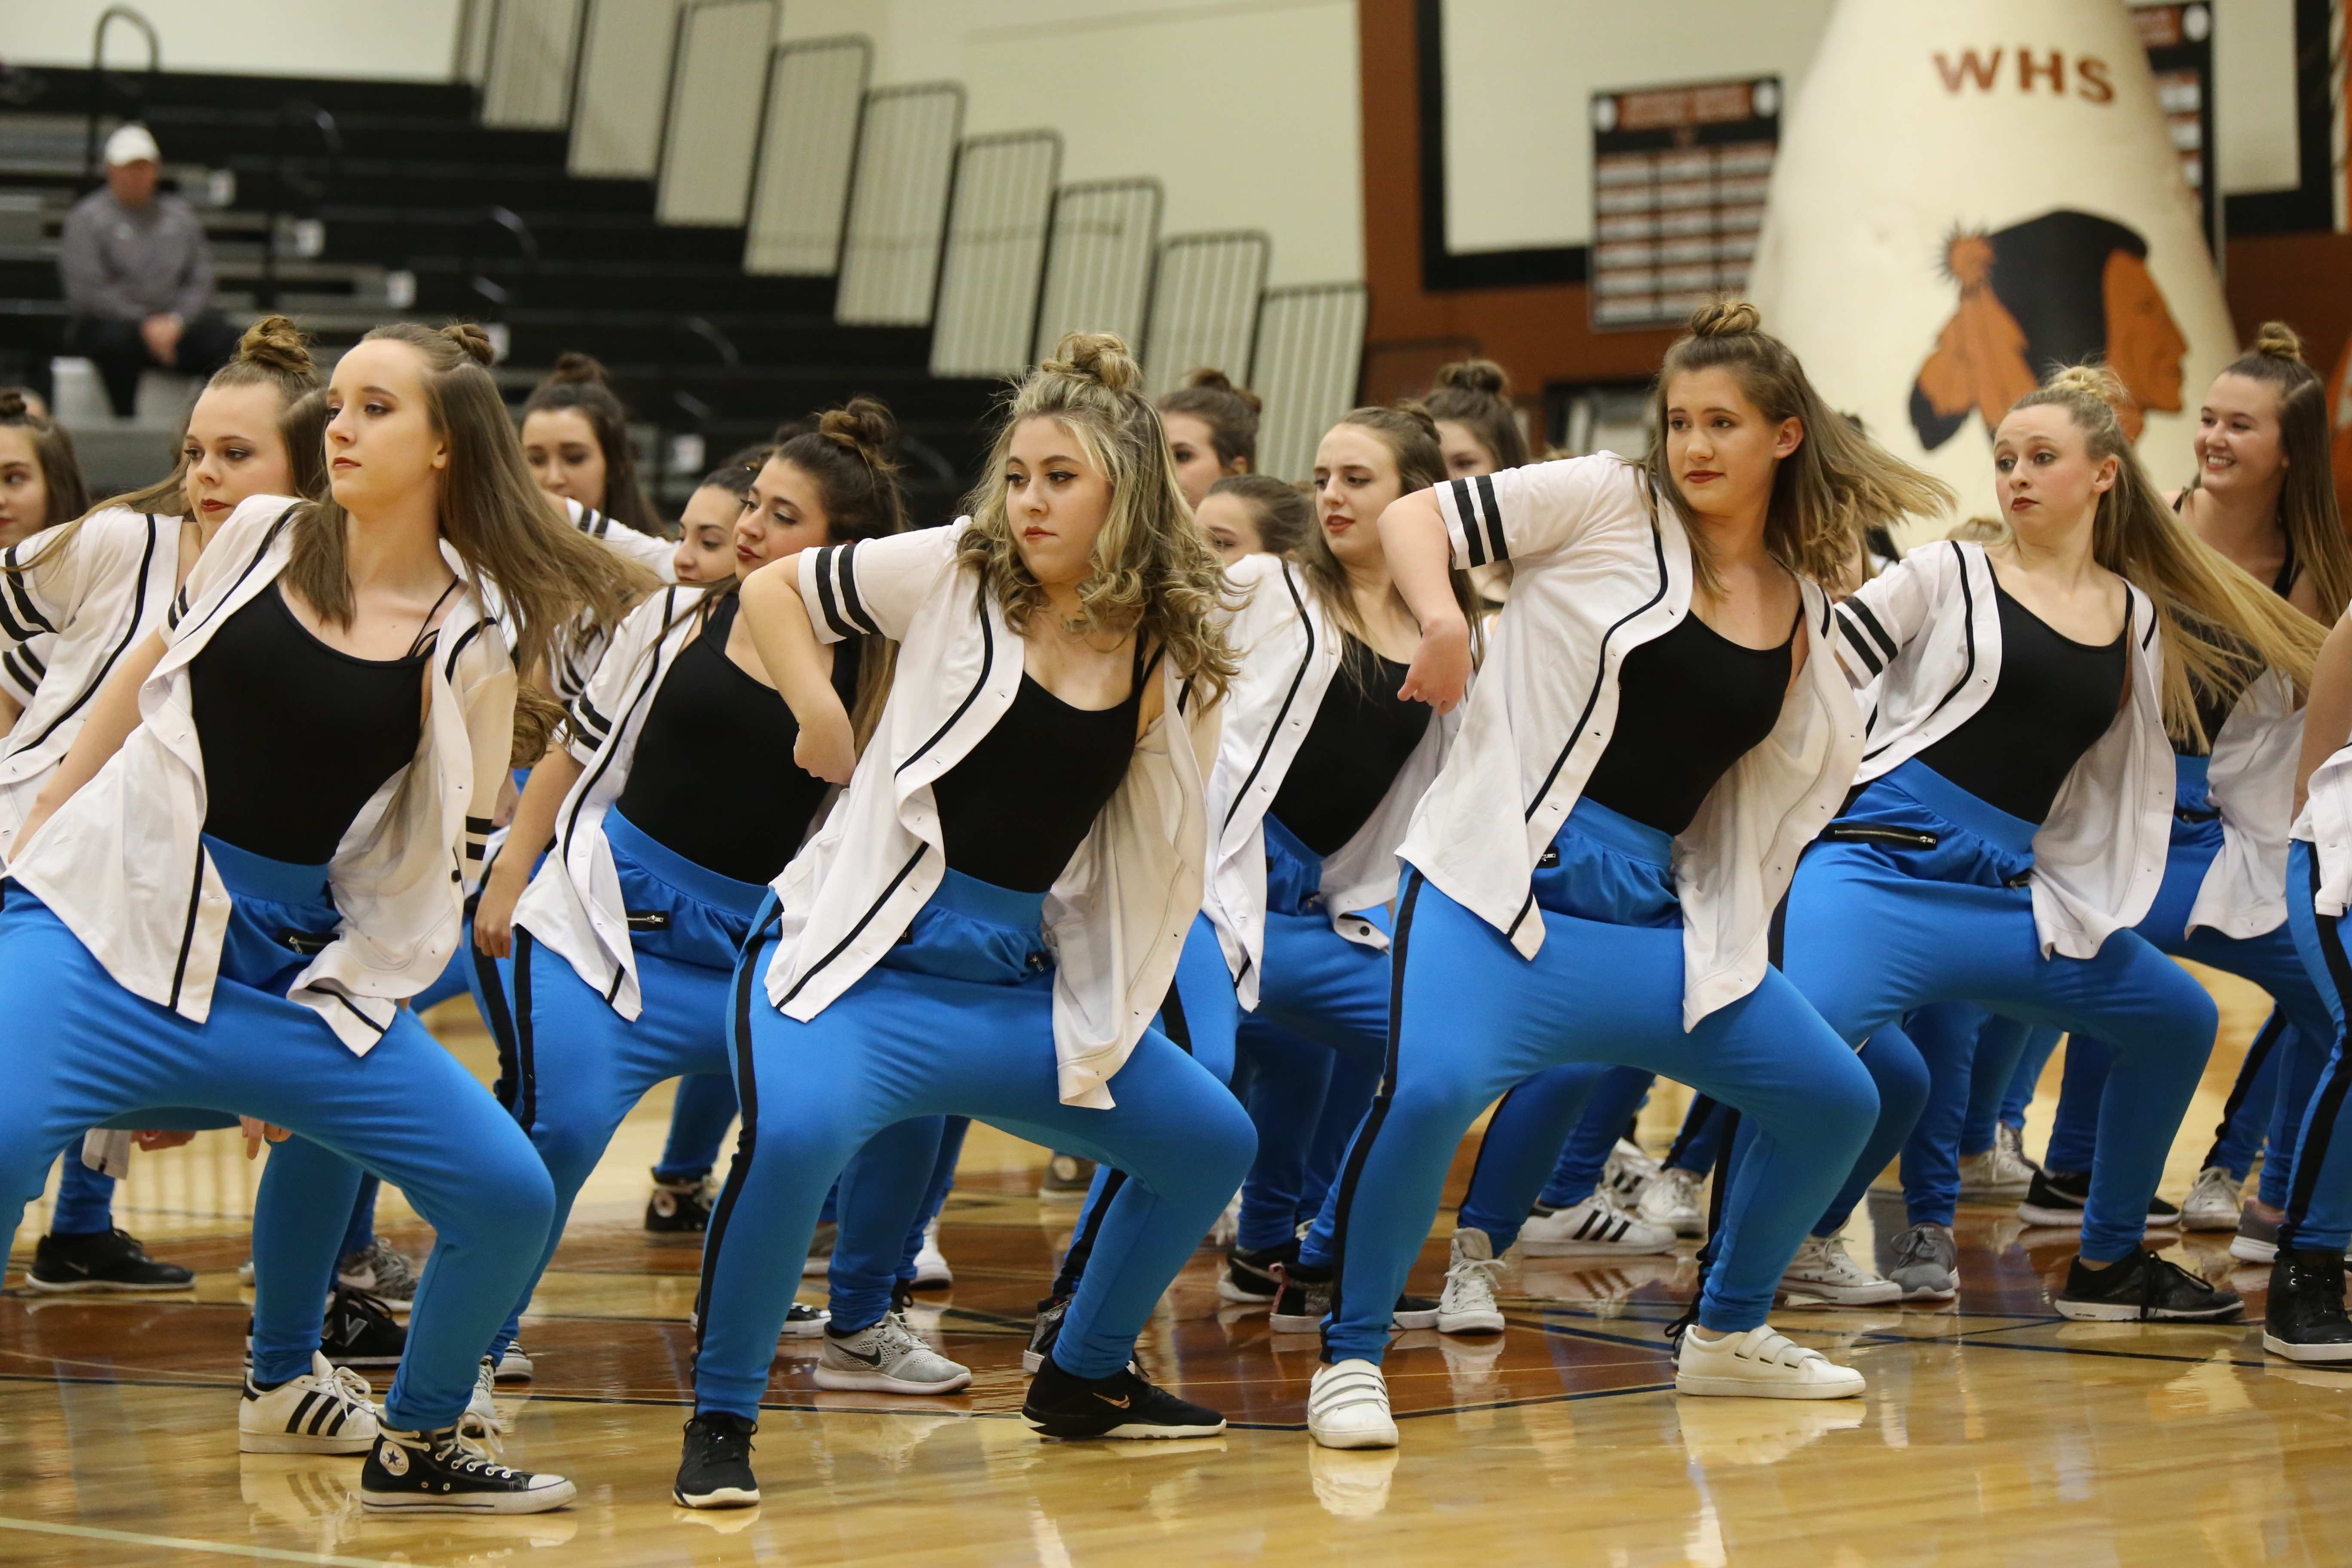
(1926, 1263)
(887, 1358)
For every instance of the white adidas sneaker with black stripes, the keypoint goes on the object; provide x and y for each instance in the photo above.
(1596, 1227)
(327, 1410)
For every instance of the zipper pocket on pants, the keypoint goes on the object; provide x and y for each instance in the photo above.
(1878, 833)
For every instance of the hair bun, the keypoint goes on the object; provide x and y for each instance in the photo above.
(2097, 381)
(1218, 381)
(2276, 340)
(13, 407)
(573, 366)
(1483, 376)
(866, 426)
(276, 343)
(1418, 412)
(1725, 318)
(1097, 356)
(470, 336)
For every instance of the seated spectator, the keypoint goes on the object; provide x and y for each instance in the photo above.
(139, 277)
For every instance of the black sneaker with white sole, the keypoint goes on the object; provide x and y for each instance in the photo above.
(715, 1470)
(1044, 1332)
(678, 1211)
(1304, 1303)
(1250, 1278)
(2057, 1199)
(2305, 1319)
(108, 1261)
(360, 1331)
(1123, 1405)
(2143, 1287)
(438, 1472)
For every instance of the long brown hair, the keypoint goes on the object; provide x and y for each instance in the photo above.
(2307, 509)
(1411, 436)
(1230, 412)
(1154, 573)
(2221, 627)
(1836, 485)
(53, 448)
(504, 529)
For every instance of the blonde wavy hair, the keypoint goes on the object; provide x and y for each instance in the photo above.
(2221, 627)
(1829, 492)
(1154, 572)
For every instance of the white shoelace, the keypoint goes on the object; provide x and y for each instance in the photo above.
(1471, 1282)
(1831, 1263)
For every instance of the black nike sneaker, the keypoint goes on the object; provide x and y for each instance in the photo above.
(1120, 1406)
(715, 1470)
(2143, 1287)
(1250, 1279)
(107, 1261)
(360, 1330)
(2057, 1198)
(438, 1472)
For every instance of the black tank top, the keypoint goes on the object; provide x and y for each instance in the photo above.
(713, 776)
(1689, 704)
(2055, 698)
(2214, 704)
(298, 736)
(1019, 803)
(1359, 740)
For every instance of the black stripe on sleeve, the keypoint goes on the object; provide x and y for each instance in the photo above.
(1466, 510)
(1861, 645)
(850, 602)
(1861, 611)
(826, 603)
(25, 605)
(586, 711)
(1494, 545)
(33, 662)
(25, 682)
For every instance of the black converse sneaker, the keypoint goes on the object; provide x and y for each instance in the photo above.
(1249, 1279)
(2304, 1320)
(1304, 1303)
(1123, 1404)
(437, 1472)
(715, 1470)
(1044, 1332)
(678, 1210)
(111, 1261)
(2057, 1198)
(2143, 1287)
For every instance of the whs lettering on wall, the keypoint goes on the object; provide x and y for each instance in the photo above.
(1970, 194)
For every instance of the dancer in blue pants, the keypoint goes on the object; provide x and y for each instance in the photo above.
(988, 920)
(2028, 688)
(1658, 733)
(618, 956)
(256, 850)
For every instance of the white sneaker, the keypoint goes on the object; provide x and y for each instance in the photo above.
(516, 1365)
(1672, 1199)
(1628, 1173)
(1227, 1226)
(245, 1272)
(1994, 1176)
(327, 1410)
(1467, 1305)
(1348, 1408)
(887, 1358)
(931, 1271)
(481, 1422)
(2213, 1202)
(1822, 1272)
(1762, 1364)
(1596, 1227)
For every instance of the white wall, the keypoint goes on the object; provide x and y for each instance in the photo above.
(1245, 110)
(1520, 75)
(411, 39)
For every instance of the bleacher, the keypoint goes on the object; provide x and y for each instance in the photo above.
(786, 249)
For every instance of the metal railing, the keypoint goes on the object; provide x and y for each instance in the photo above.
(1098, 254)
(898, 204)
(808, 148)
(995, 256)
(529, 76)
(499, 297)
(1306, 366)
(292, 194)
(710, 128)
(616, 118)
(101, 80)
(1205, 297)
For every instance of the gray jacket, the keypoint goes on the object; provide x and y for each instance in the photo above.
(129, 263)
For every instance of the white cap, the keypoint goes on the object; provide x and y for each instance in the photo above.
(131, 144)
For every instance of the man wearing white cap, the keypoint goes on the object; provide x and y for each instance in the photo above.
(138, 277)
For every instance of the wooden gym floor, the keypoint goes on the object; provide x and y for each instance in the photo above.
(1992, 1431)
